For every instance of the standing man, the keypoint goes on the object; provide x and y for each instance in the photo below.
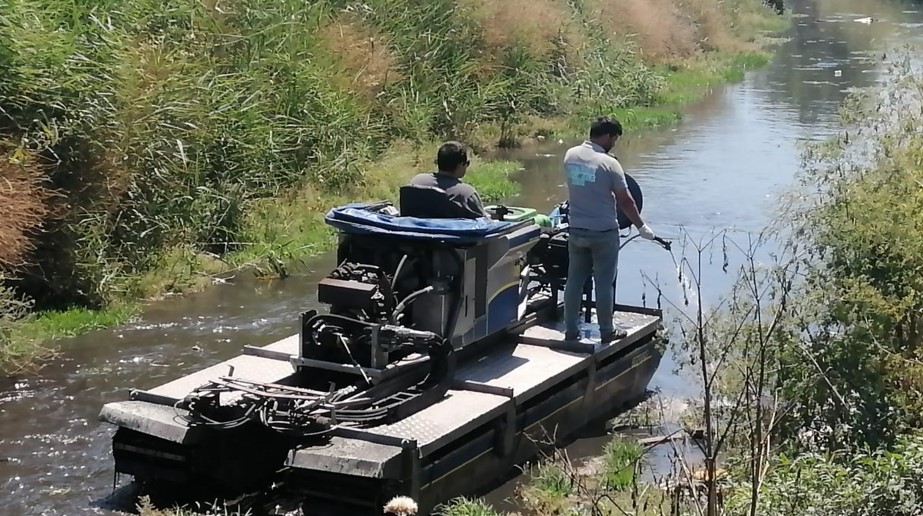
(451, 166)
(596, 185)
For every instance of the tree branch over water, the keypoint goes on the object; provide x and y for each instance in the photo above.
(732, 347)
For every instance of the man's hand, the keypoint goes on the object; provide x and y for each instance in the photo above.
(646, 232)
(626, 204)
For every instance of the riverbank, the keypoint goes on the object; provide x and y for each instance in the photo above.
(169, 196)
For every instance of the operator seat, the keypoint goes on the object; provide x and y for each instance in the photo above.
(429, 202)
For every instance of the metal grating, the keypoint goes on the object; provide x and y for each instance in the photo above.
(456, 414)
(288, 345)
(554, 330)
(523, 370)
(253, 368)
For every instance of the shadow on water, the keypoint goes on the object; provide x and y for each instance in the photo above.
(723, 167)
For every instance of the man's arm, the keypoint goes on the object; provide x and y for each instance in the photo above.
(474, 204)
(628, 206)
(626, 203)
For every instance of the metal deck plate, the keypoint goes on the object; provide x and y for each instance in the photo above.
(287, 345)
(456, 414)
(271, 368)
(525, 370)
(589, 332)
(253, 368)
(148, 418)
(348, 456)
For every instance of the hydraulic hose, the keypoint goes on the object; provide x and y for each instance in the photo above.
(409, 299)
(397, 271)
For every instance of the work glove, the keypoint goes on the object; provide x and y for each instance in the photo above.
(646, 232)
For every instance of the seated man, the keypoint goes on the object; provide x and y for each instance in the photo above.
(452, 164)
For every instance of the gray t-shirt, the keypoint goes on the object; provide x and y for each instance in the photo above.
(592, 176)
(460, 193)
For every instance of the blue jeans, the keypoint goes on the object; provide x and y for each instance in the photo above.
(595, 252)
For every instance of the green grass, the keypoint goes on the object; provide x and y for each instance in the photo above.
(146, 508)
(494, 179)
(692, 80)
(553, 481)
(550, 488)
(29, 341)
(556, 487)
(683, 83)
(280, 232)
(621, 458)
(466, 507)
(648, 117)
(68, 323)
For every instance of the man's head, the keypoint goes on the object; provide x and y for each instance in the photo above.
(452, 159)
(605, 131)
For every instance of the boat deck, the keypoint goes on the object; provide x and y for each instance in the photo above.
(513, 375)
(522, 386)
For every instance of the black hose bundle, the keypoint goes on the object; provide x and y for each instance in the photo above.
(229, 402)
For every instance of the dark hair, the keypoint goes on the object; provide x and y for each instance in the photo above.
(605, 126)
(450, 156)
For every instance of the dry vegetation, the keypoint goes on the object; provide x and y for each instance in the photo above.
(660, 29)
(657, 26)
(530, 24)
(671, 29)
(713, 28)
(361, 53)
(24, 199)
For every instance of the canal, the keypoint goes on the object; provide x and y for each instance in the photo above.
(725, 166)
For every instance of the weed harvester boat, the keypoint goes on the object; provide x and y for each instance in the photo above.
(436, 368)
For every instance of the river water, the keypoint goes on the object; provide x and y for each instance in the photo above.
(724, 166)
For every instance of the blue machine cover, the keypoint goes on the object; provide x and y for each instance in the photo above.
(356, 219)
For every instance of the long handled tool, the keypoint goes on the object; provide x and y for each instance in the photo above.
(588, 286)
